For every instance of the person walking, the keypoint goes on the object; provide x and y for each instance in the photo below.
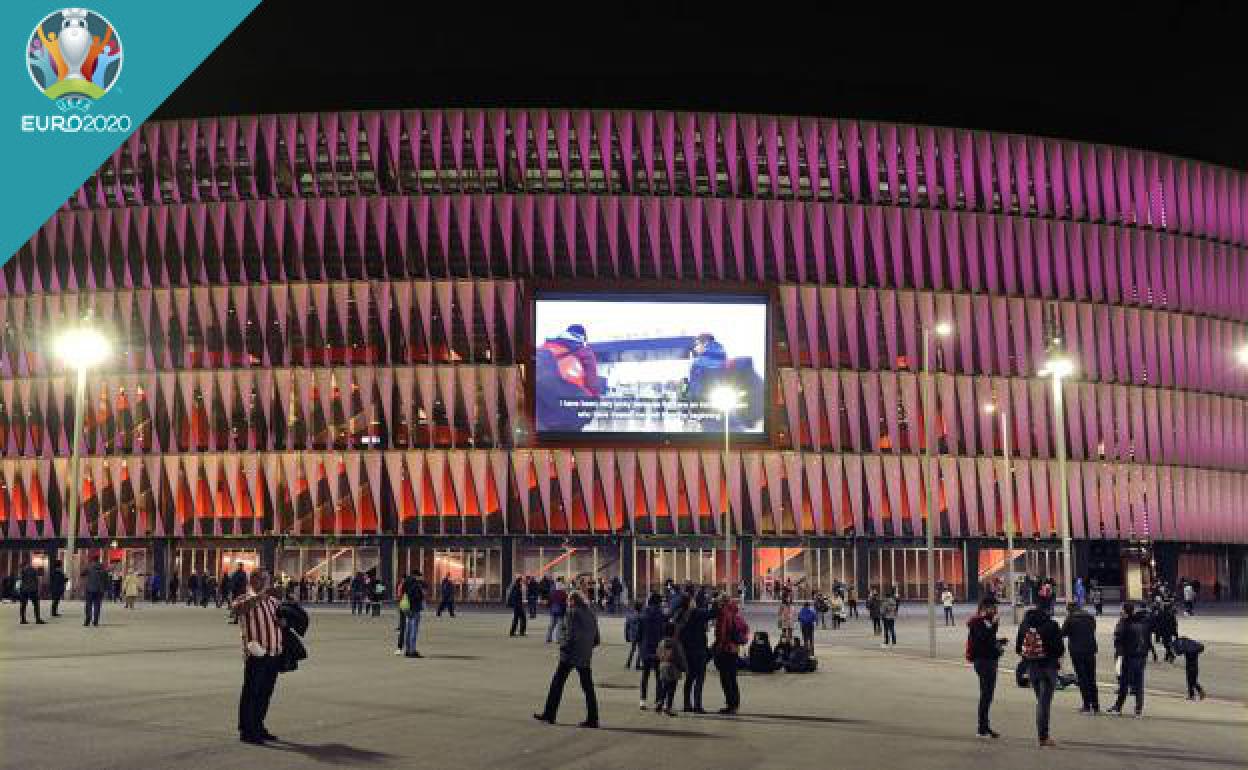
(357, 594)
(411, 605)
(515, 600)
(210, 590)
(56, 587)
(983, 650)
(1079, 628)
(174, 584)
(837, 608)
(1098, 600)
(193, 588)
(806, 620)
(632, 635)
(731, 631)
(873, 610)
(557, 605)
(888, 616)
(256, 613)
(1191, 650)
(1039, 644)
(1189, 599)
(447, 596)
(692, 633)
(575, 652)
(95, 584)
(130, 589)
(29, 592)
(946, 600)
(530, 596)
(1131, 644)
(652, 621)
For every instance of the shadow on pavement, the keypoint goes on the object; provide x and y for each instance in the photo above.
(657, 731)
(1154, 752)
(332, 753)
(799, 718)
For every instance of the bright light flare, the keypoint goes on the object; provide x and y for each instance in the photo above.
(81, 347)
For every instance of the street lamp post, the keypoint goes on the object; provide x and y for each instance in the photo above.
(941, 329)
(79, 349)
(1007, 488)
(1060, 367)
(725, 400)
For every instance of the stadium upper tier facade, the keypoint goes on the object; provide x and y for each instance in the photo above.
(323, 326)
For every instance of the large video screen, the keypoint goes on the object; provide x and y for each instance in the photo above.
(649, 364)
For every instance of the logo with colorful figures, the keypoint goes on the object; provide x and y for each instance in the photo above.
(74, 57)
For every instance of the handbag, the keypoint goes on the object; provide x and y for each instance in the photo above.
(405, 604)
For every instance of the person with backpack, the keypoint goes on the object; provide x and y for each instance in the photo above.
(731, 631)
(1131, 645)
(888, 615)
(1191, 650)
(806, 620)
(1079, 628)
(1039, 644)
(672, 666)
(410, 607)
(983, 650)
(632, 634)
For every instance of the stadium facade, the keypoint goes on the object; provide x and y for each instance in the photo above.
(324, 344)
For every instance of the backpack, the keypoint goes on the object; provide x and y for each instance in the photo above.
(800, 661)
(740, 631)
(1033, 644)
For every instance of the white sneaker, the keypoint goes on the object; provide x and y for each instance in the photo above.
(398, 652)
(642, 706)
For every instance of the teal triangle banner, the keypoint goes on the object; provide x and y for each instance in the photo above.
(77, 81)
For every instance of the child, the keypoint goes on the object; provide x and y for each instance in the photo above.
(1190, 649)
(806, 619)
(632, 633)
(671, 666)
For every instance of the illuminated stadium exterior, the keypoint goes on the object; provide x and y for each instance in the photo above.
(324, 349)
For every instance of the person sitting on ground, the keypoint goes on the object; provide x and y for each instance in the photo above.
(800, 661)
(762, 659)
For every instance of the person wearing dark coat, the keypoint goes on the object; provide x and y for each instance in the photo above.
(172, 595)
(447, 602)
(983, 651)
(1042, 665)
(575, 652)
(652, 622)
(95, 586)
(1131, 643)
(1079, 628)
(413, 588)
(516, 601)
(29, 593)
(691, 632)
(56, 587)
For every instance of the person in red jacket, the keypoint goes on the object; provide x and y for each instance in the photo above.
(566, 371)
(731, 631)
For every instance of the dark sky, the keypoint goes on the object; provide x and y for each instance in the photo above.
(1168, 77)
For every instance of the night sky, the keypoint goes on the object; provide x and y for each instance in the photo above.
(1168, 77)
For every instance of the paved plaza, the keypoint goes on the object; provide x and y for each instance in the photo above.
(158, 687)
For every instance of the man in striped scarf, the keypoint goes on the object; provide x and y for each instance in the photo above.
(256, 613)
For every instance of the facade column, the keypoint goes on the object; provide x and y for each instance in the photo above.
(268, 555)
(861, 573)
(971, 578)
(507, 566)
(385, 559)
(627, 561)
(745, 565)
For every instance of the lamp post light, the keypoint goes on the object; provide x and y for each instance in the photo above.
(940, 329)
(1241, 355)
(1060, 367)
(726, 400)
(78, 348)
(1007, 488)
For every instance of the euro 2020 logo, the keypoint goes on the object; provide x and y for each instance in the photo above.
(74, 57)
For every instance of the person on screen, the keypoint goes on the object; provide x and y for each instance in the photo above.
(566, 370)
(709, 361)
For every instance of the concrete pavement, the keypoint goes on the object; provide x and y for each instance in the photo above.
(158, 687)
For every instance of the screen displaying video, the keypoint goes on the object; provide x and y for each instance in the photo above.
(649, 364)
